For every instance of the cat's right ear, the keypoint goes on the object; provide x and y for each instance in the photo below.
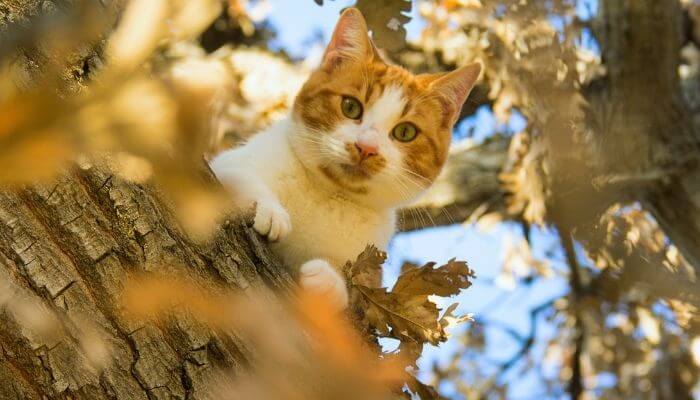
(350, 41)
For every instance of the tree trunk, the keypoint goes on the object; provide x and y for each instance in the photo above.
(655, 130)
(646, 136)
(70, 246)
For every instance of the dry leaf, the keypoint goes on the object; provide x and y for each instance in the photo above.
(446, 280)
(406, 312)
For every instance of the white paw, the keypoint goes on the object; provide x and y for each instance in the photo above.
(272, 220)
(320, 277)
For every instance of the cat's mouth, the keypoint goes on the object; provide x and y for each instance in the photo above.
(360, 167)
(357, 171)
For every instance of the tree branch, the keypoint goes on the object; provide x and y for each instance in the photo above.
(577, 292)
(526, 346)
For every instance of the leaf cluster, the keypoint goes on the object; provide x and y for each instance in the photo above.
(407, 312)
(386, 20)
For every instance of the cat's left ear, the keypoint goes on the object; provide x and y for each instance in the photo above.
(350, 41)
(455, 86)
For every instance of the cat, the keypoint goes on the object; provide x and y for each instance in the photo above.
(363, 138)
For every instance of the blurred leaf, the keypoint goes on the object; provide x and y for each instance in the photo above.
(695, 350)
(424, 392)
(145, 24)
(141, 29)
(342, 344)
(35, 159)
(386, 20)
(154, 295)
(649, 325)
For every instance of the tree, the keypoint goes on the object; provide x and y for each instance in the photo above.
(602, 134)
(607, 162)
(71, 246)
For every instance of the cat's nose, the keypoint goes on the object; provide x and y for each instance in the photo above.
(366, 149)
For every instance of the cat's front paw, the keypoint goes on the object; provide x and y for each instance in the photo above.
(320, 277)
(272, 220)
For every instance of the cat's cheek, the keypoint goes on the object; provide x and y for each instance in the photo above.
(346, 132)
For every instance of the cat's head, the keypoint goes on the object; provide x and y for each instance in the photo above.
(373, 129)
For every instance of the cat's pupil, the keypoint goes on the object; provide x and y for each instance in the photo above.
(351, 107)
(405, 132)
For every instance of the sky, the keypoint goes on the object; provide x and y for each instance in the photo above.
(302, 26)
(299, 23)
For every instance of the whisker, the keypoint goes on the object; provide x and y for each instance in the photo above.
(407, 198)
(420, 187)
(417, 175)
(414, 214)
(443, 210)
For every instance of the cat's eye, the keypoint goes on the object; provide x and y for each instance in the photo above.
(404, 132)
(351, 107)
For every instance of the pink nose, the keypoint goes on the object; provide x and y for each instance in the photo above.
(366, 149)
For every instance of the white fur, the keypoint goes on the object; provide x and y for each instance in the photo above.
(309, 217)
(319, 276)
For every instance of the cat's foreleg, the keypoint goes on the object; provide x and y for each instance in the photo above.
(271, 218)
(319, 276)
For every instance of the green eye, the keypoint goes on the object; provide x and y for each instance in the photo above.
(351, 107)
(404, 132)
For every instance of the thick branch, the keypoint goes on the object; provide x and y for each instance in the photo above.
(652, 126)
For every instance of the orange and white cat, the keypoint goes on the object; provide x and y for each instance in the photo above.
(363, 138)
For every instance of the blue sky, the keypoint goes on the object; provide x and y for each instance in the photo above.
(300, 24)
(300, 21)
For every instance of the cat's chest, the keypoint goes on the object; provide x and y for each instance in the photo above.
(327, 226)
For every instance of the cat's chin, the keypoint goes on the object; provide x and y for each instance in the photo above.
(347, 177)
(354, 171)
(360, 185)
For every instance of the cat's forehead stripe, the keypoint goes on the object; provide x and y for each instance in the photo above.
(390, 103)
(407, 107)
(378, 80)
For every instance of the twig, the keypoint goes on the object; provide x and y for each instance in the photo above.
(527, 343)
(575, 387)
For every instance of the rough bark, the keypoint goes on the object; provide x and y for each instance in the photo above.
(70, 245)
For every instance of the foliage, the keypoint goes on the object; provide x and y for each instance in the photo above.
(586, 176)
(386, 20)
(406, 312)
